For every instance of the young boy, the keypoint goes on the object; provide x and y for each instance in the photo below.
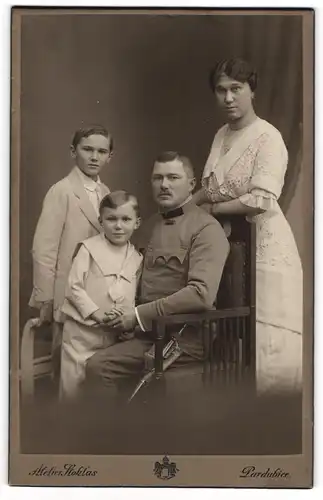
(69, 216)
(102, 283)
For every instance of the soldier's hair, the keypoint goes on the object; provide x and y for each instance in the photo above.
(235, 68)
(92, 130)
(116, 199)
(167, 156)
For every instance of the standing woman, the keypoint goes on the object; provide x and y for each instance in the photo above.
(244, 174)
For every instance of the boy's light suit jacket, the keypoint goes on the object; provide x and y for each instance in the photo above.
(68, 218)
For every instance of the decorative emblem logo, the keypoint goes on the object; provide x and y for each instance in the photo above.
(166, 469)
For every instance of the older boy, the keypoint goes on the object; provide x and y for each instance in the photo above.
(69, 215)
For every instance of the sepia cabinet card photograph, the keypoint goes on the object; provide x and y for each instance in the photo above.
(162, 201)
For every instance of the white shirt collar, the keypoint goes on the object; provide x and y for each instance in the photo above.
(88, 183)
(186, 201)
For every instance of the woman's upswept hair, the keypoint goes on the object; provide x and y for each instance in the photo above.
(235, 68)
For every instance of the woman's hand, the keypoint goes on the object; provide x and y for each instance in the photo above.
(200, 197)
(215, 209)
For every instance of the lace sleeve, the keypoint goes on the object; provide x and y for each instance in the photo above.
(259, 198)
(270, 164)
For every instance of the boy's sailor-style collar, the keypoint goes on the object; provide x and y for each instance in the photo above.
(99, 247)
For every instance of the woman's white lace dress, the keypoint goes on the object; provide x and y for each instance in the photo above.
(253, 171)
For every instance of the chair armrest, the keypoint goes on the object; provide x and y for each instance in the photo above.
(211, 314)
(27, 357)
(159, 327)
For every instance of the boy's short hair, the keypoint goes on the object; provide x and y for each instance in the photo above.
(167, 156)
(116, 199)
(92, 130)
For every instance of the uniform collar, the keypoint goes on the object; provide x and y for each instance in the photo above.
(176, 212)
(171, 215)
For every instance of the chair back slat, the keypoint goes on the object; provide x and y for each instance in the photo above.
(229, 329)
(235, 285)
(233, 353)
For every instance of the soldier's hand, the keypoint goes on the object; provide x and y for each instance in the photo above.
(124, 323)
(46, 313)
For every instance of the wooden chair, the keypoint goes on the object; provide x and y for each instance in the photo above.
(35, 355)
(229, 329)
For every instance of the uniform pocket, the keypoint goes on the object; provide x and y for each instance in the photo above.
(165, 256)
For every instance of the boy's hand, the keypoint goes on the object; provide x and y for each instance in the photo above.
(123, 323)
(46, 312)
(102, 317)
(99, 316)
(114, 313)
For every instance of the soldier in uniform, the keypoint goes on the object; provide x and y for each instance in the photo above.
(185, 253)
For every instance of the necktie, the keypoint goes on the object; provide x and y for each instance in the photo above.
(98, 196)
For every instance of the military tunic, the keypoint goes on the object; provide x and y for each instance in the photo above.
(183, 265)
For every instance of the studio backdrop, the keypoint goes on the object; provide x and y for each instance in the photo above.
(145, 77)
